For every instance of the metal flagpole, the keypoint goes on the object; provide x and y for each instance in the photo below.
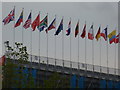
(31, 40)
(115, 57)
(14, 31)
(39, 46)
(107, 56)
(22, 29)
(63, 45)
(93, 50)
(78, 46)
(85, 53)
(70, 50)
(55, 41)
(47, 43)
(100, 54)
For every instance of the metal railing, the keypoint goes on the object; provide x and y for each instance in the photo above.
(59, 62)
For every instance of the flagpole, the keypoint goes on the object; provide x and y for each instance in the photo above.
(115, 57)
(22, 28)
(93, 50)
(107, 55)
(31, 41)
(63, 45)
(55, 41)
(39, 45)
(70, 51)
(14, 31)
(47, 43)
(78, 47)
(100, 53)
(85, 53)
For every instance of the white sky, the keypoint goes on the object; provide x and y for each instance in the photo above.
(99, 13)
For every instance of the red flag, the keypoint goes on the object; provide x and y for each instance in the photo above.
(91, 33)
(2, 60)
(84, 31)
(36, 22)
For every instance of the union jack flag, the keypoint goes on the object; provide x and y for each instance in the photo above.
(28, 22)
(10, 17)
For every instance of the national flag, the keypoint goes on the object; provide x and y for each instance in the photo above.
(59, 28)
(98, 34)
(91, 33)
(84, 31)
(20, 20)
(43, 24)
(77, 29)
(36, 22)
(112, 36)
(117, 38)
(51, 26)
(104, 34)
(2, 60)
(69, 28)
(28, 22)
(10, 17)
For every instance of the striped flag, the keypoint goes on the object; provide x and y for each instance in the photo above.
(98, 34)
(77, 29)
(84, 31)
(28, 22)
(91, 33)
(104, 34)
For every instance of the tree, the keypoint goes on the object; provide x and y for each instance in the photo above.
(13, 75)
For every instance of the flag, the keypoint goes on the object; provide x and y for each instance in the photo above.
(91, 33)
(84, 31)
(98, 34)
(10, 17)
(77, 29)
(69, 28)
(35, 22)
(59, 28)
(112, 37)
(2, 60)
(117, 38)
(51, 26)
(43, 24)
(27, 22)
(104, 34)
(19, 20)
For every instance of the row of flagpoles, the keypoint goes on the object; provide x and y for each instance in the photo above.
(42, 25)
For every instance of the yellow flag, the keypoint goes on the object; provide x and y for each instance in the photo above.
(112, 34)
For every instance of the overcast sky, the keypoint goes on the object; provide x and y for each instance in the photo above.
(99, 13)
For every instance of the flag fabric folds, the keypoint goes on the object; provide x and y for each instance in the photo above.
(51, 26)
(77, 29)
(43, 24)
(36, 22)
(2, 60)
(69, 28)
(112, 37)
(98, 34)
(10, 17)
(84, 32)
(117, 38)
(20, 20)
(59, 28)
(27, 22)
(91, 33)
(104, 34)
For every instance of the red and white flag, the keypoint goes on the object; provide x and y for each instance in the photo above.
(91, 33)
(28, 22)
